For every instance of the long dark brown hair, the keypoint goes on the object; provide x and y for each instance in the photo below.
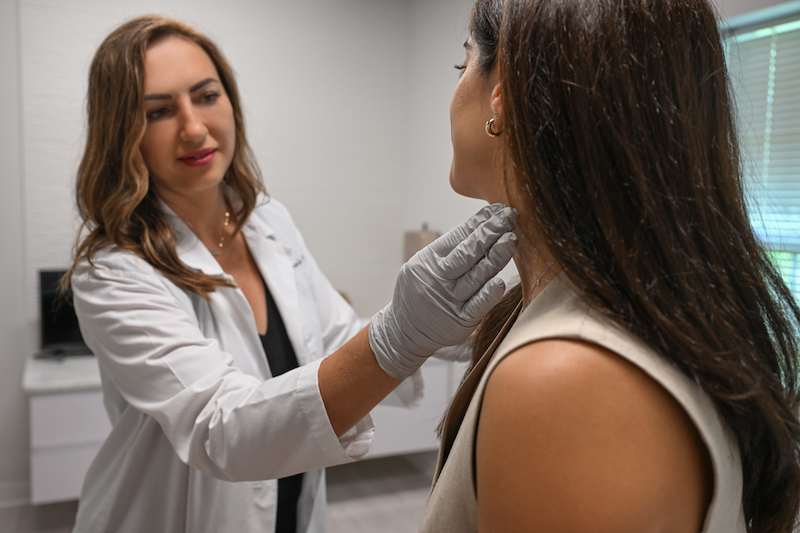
(115, 201)
(622, 152)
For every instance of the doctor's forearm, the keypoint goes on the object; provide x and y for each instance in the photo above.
(351, 383)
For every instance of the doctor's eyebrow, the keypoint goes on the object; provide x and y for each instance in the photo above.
(197, 86)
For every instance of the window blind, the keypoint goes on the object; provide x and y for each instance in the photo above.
(764, 66)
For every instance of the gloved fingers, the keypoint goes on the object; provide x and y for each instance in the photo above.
(476, 245)
(480, 304)
(487, 268)
(443, 291)
(445, 244)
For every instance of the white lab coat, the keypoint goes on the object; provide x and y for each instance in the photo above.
(200, 428)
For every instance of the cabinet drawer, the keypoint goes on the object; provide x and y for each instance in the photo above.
(400, 430)
(57, 473)
(68, 418)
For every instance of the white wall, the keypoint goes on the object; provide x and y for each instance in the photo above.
(439, 30)
(347, 107)
(14, 342)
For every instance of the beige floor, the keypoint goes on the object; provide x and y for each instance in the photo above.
(386, 495)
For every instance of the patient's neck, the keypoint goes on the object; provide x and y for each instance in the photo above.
(536, 268)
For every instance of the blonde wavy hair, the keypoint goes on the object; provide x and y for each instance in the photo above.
(116, 204)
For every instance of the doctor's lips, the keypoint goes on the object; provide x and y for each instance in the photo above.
(199, 158)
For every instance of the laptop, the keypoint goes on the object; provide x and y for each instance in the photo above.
(59, 334)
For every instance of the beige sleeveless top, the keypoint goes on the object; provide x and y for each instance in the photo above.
(558, 312)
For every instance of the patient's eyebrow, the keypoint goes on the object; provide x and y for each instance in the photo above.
(197, 86)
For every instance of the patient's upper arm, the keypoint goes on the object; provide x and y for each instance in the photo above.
(573, 437)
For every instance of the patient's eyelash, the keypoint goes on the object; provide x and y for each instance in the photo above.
(460, 69)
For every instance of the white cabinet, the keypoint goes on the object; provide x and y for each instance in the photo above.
(400, 430)
(68, 422)
(67, 429)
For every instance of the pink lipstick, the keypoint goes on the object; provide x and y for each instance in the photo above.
(199, 158)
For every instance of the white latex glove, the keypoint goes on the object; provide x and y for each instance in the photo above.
(443, 292)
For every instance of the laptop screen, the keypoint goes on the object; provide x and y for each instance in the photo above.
(59, 331)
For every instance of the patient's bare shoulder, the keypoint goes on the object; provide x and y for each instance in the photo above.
(573, 437)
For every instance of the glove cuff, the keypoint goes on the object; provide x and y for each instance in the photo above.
(394, 363)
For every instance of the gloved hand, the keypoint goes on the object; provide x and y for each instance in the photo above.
(443, 292)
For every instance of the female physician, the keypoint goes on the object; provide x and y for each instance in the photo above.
(200, 300)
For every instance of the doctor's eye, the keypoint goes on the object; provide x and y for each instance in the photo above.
(460, 69)
(156, 113)
(210, 97)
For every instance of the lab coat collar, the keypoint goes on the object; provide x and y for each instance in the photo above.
(190, 248)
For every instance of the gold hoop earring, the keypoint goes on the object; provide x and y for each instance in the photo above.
(489, 131)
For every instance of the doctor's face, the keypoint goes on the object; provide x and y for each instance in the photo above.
(190, 137)
(477, 168)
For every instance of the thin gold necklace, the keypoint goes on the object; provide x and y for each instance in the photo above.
(218, 251)
(538, 281)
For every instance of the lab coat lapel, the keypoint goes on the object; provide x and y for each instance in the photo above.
(232, 311)
(190, 249)
(276, 264)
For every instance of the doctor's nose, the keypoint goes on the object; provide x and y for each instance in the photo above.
(193, 129)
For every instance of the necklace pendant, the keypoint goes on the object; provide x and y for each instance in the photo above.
(216, 252)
